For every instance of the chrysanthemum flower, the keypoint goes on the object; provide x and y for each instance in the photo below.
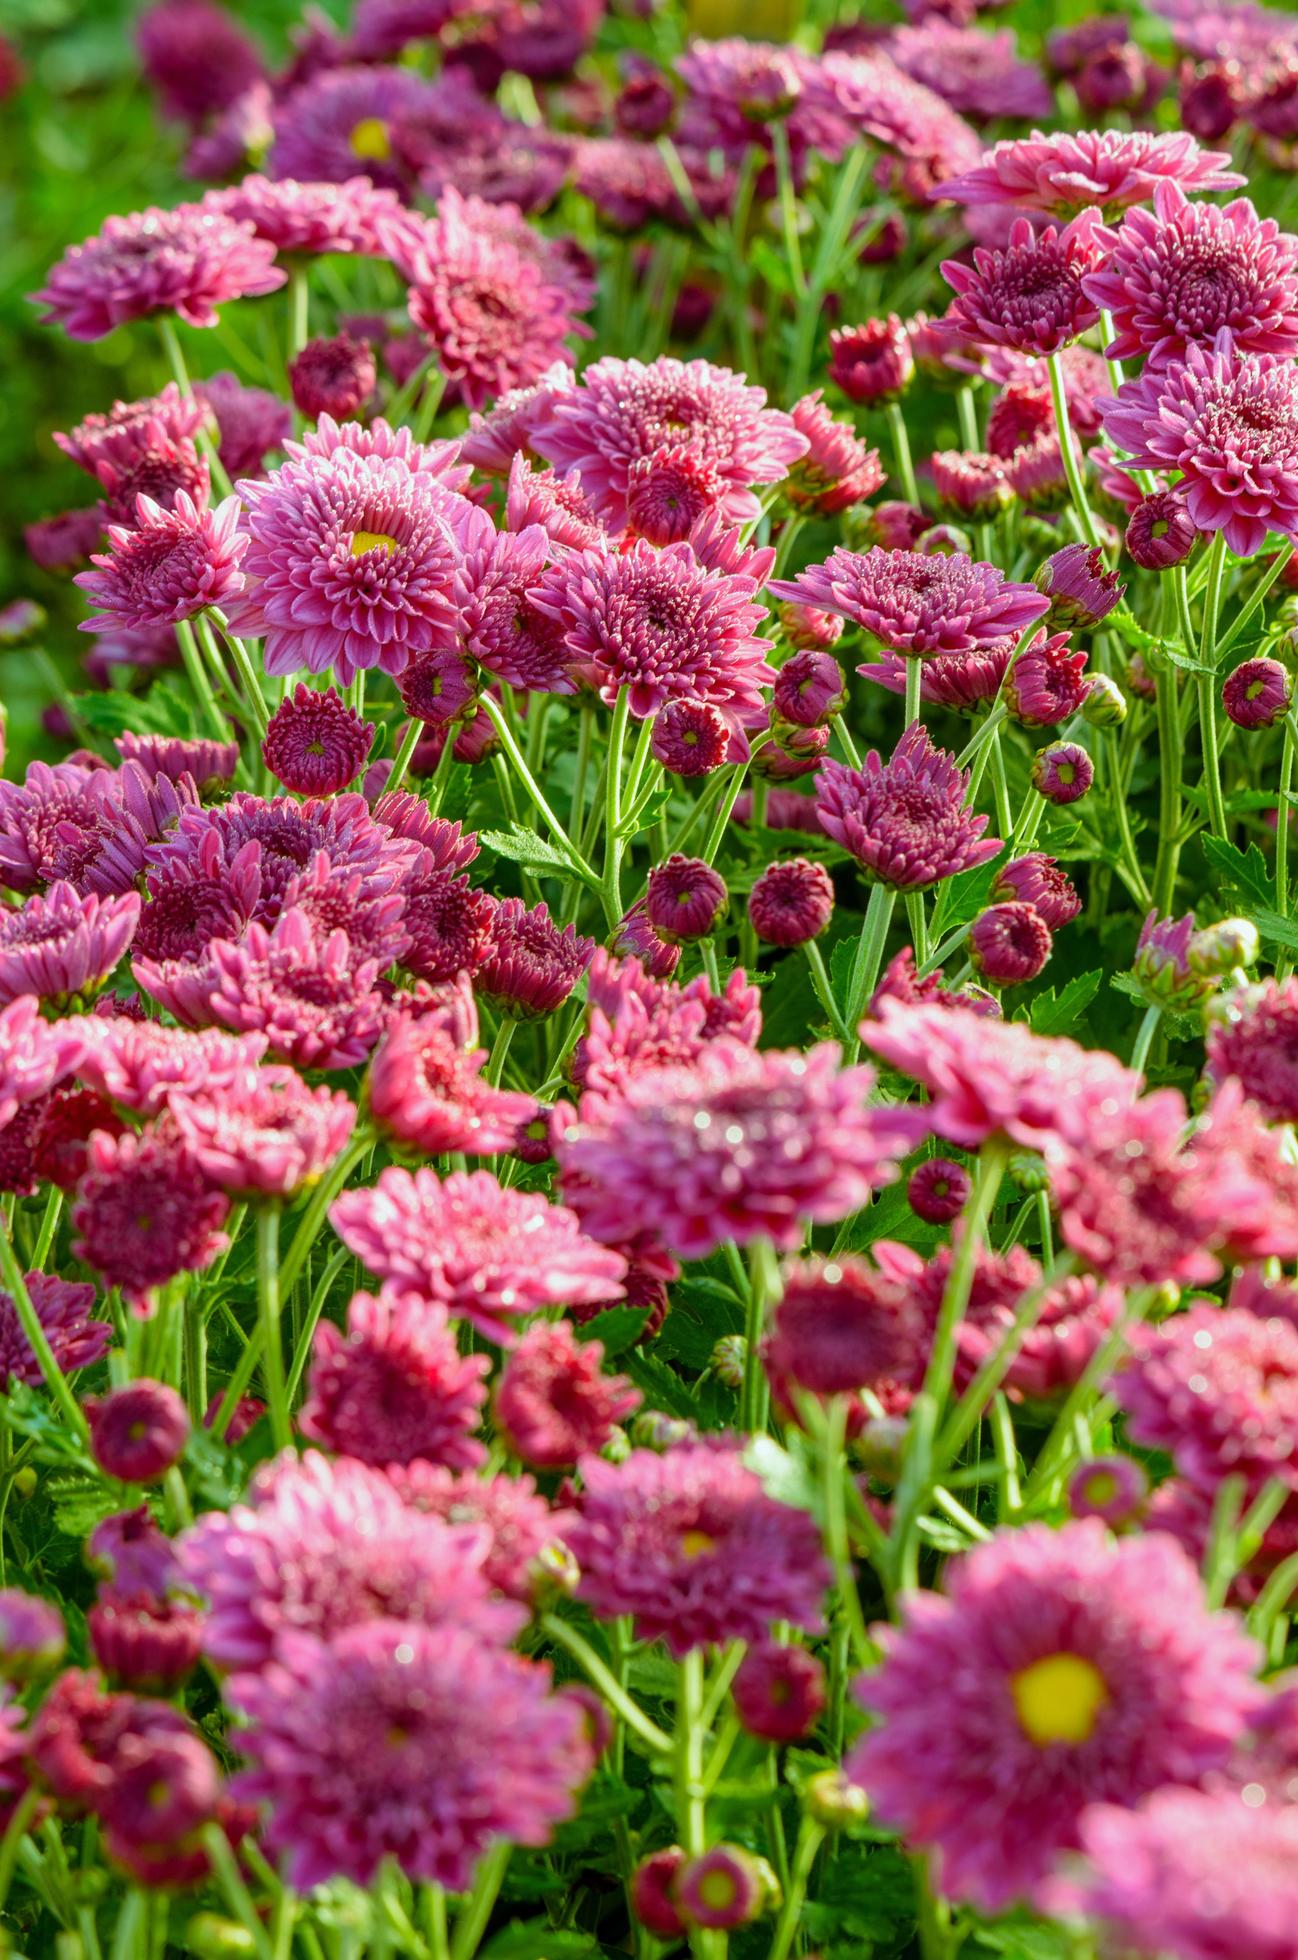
(35, 1054)
(938, 1189)
(195, 56)
(530, 965)
(624, 410)
(211, 764)
(1036, 879)
(490, 1254)
(838, 470)
(660, 624)
(340, 122)
(168, 416)
(1031, 294)
(334, 376)
(137, 1431)
(1070, 170)
(735, 1145)
(553, 1403)
(170, 565)
(449, 923)
(963, 682)
(426, 1091)
(250, 422)
(395, 1388)
(1009, 943)
(1257, 693)
(905, 820)
(685, 898)
(690, 1545)
(1217, 1390)
(499, 624)
(61, 945)
(779, 1692)
(504, 431)
(1254, 1037)
(350, 563)
(850, 1324)
(557, 503)
(1080, 588)
(144, 1213)
(1075, 1318)
(1062, 1668)
(915, 604)
(518, 1523)
(63, 1309)
(186, 261)
(315, 216)
(315, 744)
(979, 74)
(638, 1019)
(1062, 773)
(1229, 423)
(265, 1134)
(394, 1741)
(323, 1546)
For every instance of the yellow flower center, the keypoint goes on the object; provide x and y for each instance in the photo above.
(718, 1889)
(695, 1543)
(363, 541)
(1101, 1487)
(1059, 1698)
(370, 140)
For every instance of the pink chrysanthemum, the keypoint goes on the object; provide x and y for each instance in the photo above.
(1218, 1391)
(1255, 1038)
(735, 1145)
(519, 1525)
(497, 436)
(905, 820)
(530, 965)
(1061, 1669)
(915, 604)
(962, 682)
(1030, 295)
(638, 1019)
(169, 566)
(350, 563)
(340, 121)
(979, 74)
(1203, 1875)
(334, 376)
(987, 1077)
(1067, 1331)
(185, 261)
(500, 626)
(1229, 423)
(211, 764)
(449, 923)
(668, 491)
(63, 1309)
(1037, 880)
(265, 1134)
(438, 460)
(324, 1546)
(791, 902)
(395, 1388)
(394, 1742)
(144, 1213)
(872, 363)
(552, 1403)
(35, 1054)
(660, 624)
(61, 945)
(427, 1092)
(557, 503)
(351, 215)
(690, 1545)
(195, 56)
(167, 417)
(838, 470)
(1048, 682)
(850, 1324)
(315, 744)
(490, 1254)
(140, 1063)
(1009, 944)
(249, 422)
(1174, 278)
(685, 898)
(625, 410)
(1070, 170)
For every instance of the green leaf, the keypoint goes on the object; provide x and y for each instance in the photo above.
(962, 898)
(1275, 927)
(1245, 870)
(526, 847)
(1054, 1014)
(618, 1328)
(662, 1386)
(784, 1474)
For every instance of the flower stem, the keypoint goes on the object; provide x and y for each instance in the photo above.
(196, 672)
(1068, 451)
(1206, 688)
(724, 810)
(601, 1677)
(902, 458)
(811, 1836)
(1145, 1038)
(299, 310)
(611, 887)
(1283, 818)
(496, 716)
(15, 1285)
(11, 1843)
(869, 958)
(1168, 707)
(472, 1922)
(914, 690)
(268, 1310)
(691, 1822)
(959, 1284)
(409, 743)
(763, 1285)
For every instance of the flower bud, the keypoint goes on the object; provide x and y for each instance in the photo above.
(1081, 590)
(872, 363)
(1028, 1171)
(937, 1190)
(727, 1360)
(209, 1937)
(809, 689)
(724, 1888)
(791, 902)
(685, 899)
(779, 1692)
(1160, 532)
(22, 621)
(1062, 772)
(1112, 1488)
(690, 738)
(652, 1891)
(1162, 967)
(333, 377)
(1105, 705)
(137, 1432)
(1009, 944)
(1219, 949)
(1257, 693)
(835, 1803)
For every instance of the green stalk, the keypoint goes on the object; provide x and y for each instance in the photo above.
(724, 810)
(268, 1312)
(1145, 1038)
(196, 672)
(610, 888)
(496, 716)
(913, 707)
(472, 1922)
(1068, 451)
(409, 743)
(248, 678)
(1255, 599)
(955, 1298)
(299, 311)
(15, 1285)
(763, 1286)
(1167, 700)
(573, 1643)
(902, 456)
(1284, 816)
(788, 205)
(869, 958)
(1206, 689)
(811, 1836)
(12, 1842)
(691, 1823)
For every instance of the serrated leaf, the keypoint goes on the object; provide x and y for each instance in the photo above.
(533, 852)
(662, 1386)
(1276, 928)
(963, 898)
(618, 1328)
(1054, 1013)
(1245, 870)
(784, 1474)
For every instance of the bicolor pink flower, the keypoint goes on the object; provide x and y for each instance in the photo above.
(63, 1308)
(349, 564)
(139, 1064)
(638, 1018)
(144, 1212)
(1070, 170)
(660, 624)
(396, 1742)
(625, 410)
(313, 216)
(904, 820)
(35, 1055)
(426, 1091)
(689, 1544)
(170, 565)
(1031, 295)
(499, 624)
(530, 964)
(266, 1134)
(734, 1145)
(395, 1388)
(324, 1546)
(1228, 422)
(553, 1403)
(520, 1528)
(315, 744)
(489, 1253)
(1062, 1668)
(915, 604)
(500, 433)
(1217, 1390)
(140, 425)
(187, 261)
(61, 945)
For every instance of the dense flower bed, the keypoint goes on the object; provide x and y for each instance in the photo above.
(648, 1047)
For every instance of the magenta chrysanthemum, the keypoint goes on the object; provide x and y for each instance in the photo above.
(396, 1742)
(315, 744)
(1254, 1036)
(145, 1212)
(625, 410)
(905, 820)
(661, 624)
(490, 1254)
(63, 1308)
(340, 121)
(170, 565)
(249, 422)
(500, 626)
(1030, 296)
(1229, 423)
(690, 1545)
(426, 1091)
(519, 1525)
(1061, 1669)
(735, 1145)
(35, 1054)
(351, 215)
(326, 1546)
(394, 1388)
(553, 1402)
(979, 74)
(1069, 170)
(140, 1063)
(187, 261)
(1218, 1391)
(530, 964)
(61, 945)
(914, 604)
(265, 1134)
(349, 564)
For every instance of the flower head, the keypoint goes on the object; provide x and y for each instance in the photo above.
(872, 363)
(426, 1090)
(690, 738)
(1071, 170)
(1030, 295)
(1081, 1669)
(905, 820)
(334, 377)
(553, 1403)
(1217, 1390)
(849, 1324)
(32, 1634)
(1009, 943)
(791, 902)
(916, 604)
(1160, 531)
(1257, 693)
(170, 565)
(1255, 1038)
(186, 261)
(838, 470)
(145, 1212)
(779, 1692)
(1228, 421)
(937, 1190)
(266, 1134)
(978, 73)
(139, 1064)
(61, 945)
(1063, 772)
(1036, 880)
(341, 121)
(1081, 590)
(250, 422)
(518, 1524)
(685, 899)
(137, 1431)
(397, 1741)
(63, 1309)
(395, 1388)
(489, 1253)
(530, 965)
(315, 744)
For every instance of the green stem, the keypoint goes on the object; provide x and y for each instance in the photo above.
(913, 706)
(299, 311)
(268, 1310)
(49, 1226)
(611, 889)
(721, 816)
(968, 1412)
(788, 206)
(196, 672)
(902, 457)
(1068, 451)
(655, 1739)
(409, 743)
(1145, 1038)
(1255, 599)
(691, 1823)
(248, 677)
(1283, 819)
(1167, 699)
(968, 416)
(472, 1922)
(959, 1282)
(835, 1472)
(824, 990)
(225, 1869)
(496, 716)
(763, 1285)
(811, 1836)
(869, 957)
(11, 1843)
(499, 1050)
(15, 1285)
(1206, 688)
